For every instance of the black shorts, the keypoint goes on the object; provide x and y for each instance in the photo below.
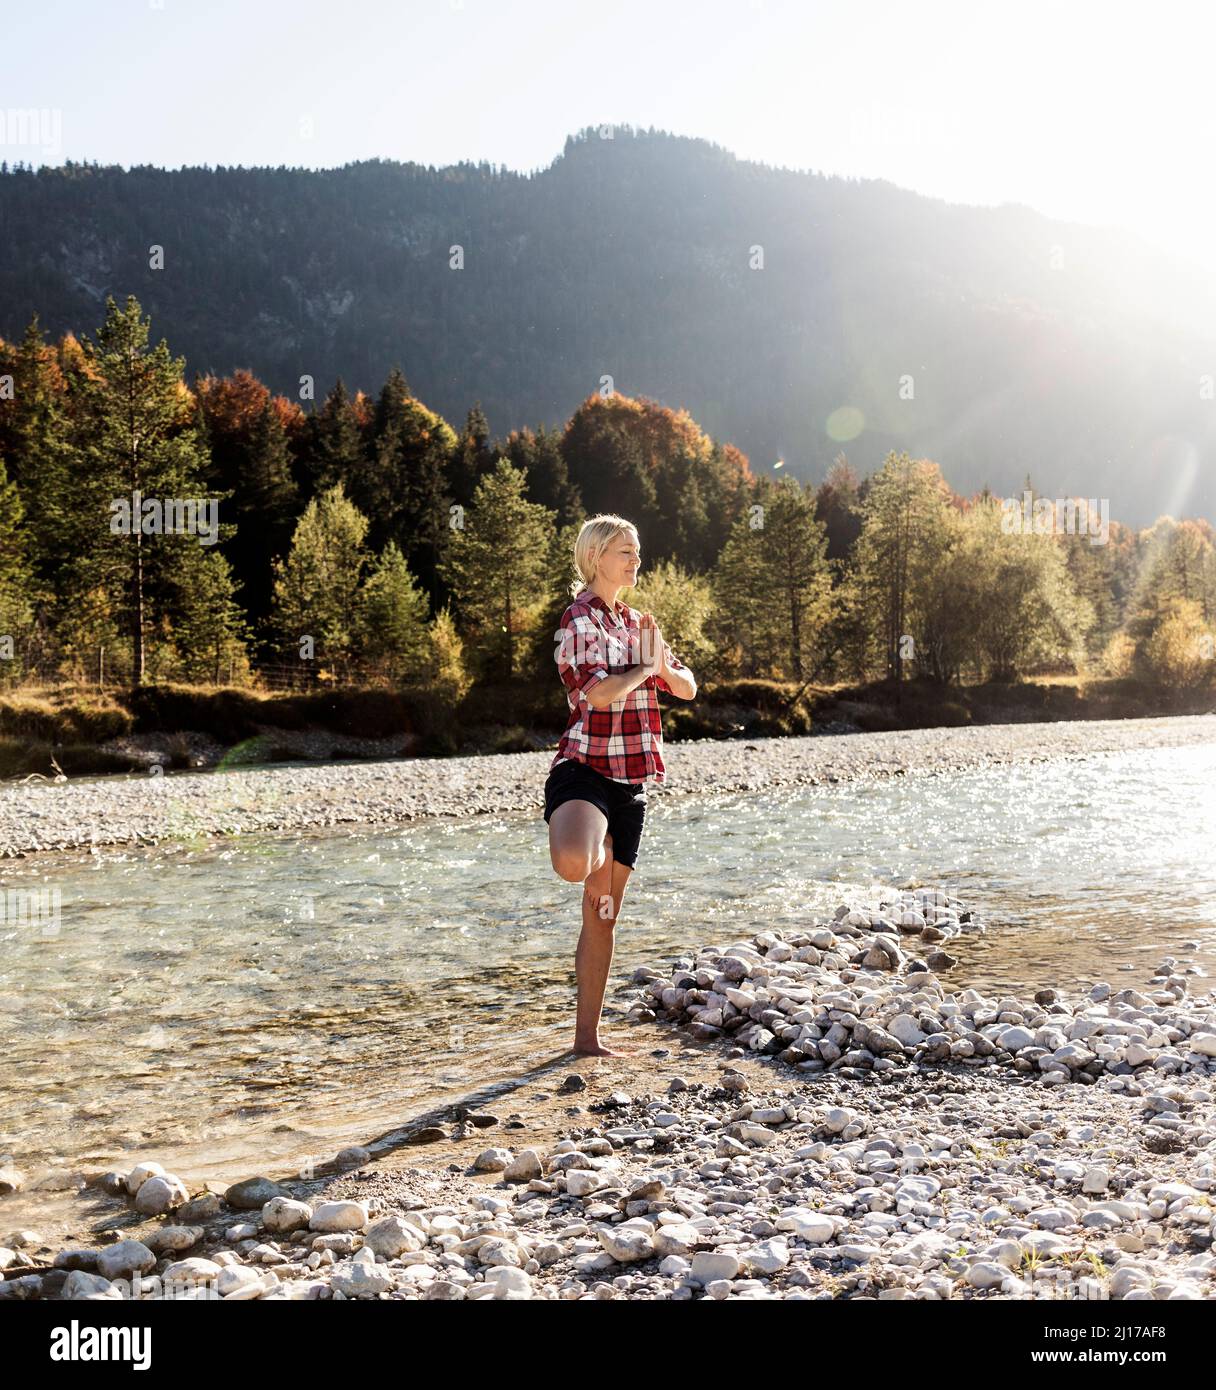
(623, 803)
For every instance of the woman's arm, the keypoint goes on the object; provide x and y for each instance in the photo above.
(616, 687)
(679, 680)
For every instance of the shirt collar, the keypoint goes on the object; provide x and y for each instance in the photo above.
(595, 601)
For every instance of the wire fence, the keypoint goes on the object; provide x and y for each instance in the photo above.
(266, 676)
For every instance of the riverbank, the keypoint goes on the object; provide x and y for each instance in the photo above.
(179, 806)
(826, 1121)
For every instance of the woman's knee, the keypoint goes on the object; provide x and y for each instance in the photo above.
(571, 862)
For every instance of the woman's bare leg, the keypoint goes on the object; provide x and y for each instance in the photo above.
(603, 893)
(581, 850)
(577, 831)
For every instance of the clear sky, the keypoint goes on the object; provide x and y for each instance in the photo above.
(1089, 111)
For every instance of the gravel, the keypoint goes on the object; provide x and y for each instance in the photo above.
(127, 810)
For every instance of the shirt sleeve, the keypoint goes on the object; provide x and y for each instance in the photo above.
(582, 661)
(676, 665)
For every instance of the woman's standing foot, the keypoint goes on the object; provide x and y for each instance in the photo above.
(594, 1048)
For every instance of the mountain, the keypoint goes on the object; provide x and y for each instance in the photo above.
(1070, 353)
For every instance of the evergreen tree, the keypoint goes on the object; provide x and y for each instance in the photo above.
(16, 583)
(267, 509)
(393, 618)
(743, 626)
(774, 583)
(39, 453)
(402, 486)
(316, 587)
(473, 458)
(496, 566)
(140, 450)
(333, 446)
(209, 627)
(903, 522)
(539, 455)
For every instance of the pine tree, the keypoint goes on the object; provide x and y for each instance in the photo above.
(266, 510)
(16, 582)
(539, 454)
(743, 626)
(473, 458)
(392, 618)
(39, 455)
(838, 506)
(334, 445)
(902, 525)
(402, 485)
(497, 567)
(773, 583)
(209, 625)
(316, 587)
(138, 438)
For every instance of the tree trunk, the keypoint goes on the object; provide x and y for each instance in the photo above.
(138, 673)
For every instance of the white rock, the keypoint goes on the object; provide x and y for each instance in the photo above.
(81, 1285)
(984, 1275)
(1095, 1180)
(510, 1283)
(159, 1194)
(339, 1216)
(361, 1280)
(768, 1257)
(122, 1260)
(917, 1188)
(234, 1277)
(676, 1238)
(285, 1214)
(390, 1236)
(498, 1250)
(581, 1182)
(710, 1265)
(193, 1270)
(525, 1166)
(493, 1160)
(626, 1243)
(838, 1119)
(140, 1174)
(806, 1225)
(906, 1029)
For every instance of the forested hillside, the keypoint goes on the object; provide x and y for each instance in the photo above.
(791, 313)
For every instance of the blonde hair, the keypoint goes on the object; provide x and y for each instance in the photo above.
(594, 537)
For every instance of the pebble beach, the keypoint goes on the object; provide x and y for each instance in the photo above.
(146, 809)
(825, 1112)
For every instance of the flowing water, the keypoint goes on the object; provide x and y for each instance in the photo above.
(239, 1008)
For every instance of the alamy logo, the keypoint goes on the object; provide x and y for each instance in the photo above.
(580, 648)
(155, 516)
(1051, 516)
(76, 1343)
(30, 907)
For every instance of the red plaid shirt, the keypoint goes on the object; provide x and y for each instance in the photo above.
(624, 741)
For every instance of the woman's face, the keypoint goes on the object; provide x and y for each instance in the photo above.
(621, 560)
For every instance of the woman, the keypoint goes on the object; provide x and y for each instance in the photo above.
(612, 660)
